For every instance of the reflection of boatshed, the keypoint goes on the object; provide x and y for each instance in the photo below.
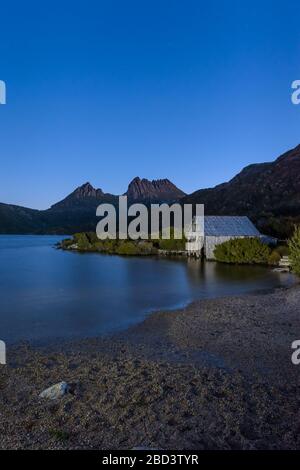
(208, 231)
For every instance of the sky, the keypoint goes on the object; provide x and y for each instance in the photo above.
(104, 91)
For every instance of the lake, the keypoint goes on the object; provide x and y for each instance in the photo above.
(47, 294)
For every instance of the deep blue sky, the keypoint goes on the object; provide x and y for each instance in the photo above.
(103, 91)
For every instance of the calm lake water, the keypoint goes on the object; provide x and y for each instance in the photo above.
(46, 294)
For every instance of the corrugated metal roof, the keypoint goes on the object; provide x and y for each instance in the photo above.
(229, 226)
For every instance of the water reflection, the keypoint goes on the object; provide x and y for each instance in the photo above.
(46, 293)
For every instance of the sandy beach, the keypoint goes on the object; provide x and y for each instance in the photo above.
(214, 375)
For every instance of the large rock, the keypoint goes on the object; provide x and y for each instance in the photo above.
(55, 391)
(162, 190)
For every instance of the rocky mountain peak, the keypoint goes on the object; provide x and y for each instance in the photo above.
(81, 195)
(155, 190)
(87, 190)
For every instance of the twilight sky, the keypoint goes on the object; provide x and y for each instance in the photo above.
(104, 91)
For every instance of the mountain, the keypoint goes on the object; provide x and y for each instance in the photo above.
(162, 190)
(17, 219)
(269, 193)
(77, 212)
(83, 196)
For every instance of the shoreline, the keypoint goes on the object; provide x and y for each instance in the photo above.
(53, 343)
(215, 374)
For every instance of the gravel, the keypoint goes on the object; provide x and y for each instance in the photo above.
(214, 375)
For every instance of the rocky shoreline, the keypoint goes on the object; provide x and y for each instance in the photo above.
(214, 375)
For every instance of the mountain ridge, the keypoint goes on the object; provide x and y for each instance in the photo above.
(83, 195)
(268, 193)
(262, 191)
(77, 211)
(161, 189)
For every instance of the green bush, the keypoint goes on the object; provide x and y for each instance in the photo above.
(127, 248)
(88, 241)
(146, 247)
(172, 244)
(294, 246)
(67, 242)
(242, 251)
(82, 241)
(274, 258)
(92, 237)
(277, 253)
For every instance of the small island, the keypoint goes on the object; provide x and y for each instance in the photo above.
(89, 242)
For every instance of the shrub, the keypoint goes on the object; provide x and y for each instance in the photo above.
(82, 241)
(67, 242)
(274, 258)
(92, 237)
(127, 248)
(294, 246)
(242, 251)
(172, 244)
(108, 246)
(146, 247)
(88, 241)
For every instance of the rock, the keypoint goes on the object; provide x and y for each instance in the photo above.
(155, 190)
(74, 246)
(55, 391)
(281, 270)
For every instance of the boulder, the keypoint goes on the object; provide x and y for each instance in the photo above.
(55, 391)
